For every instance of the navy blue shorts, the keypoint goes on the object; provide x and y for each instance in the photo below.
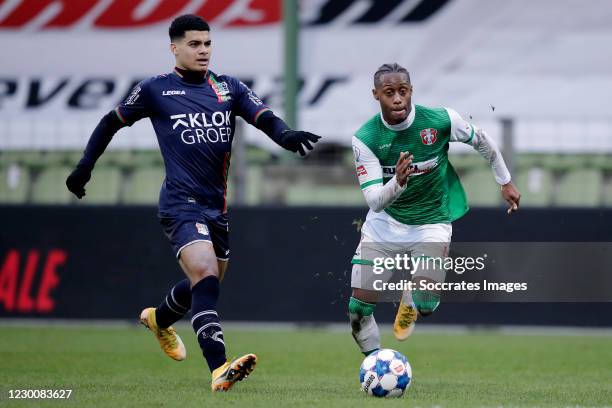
(190, 224)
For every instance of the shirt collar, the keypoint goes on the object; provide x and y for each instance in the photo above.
(191, 77)
(405, 124)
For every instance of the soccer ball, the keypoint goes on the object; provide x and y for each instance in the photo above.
(385, 373)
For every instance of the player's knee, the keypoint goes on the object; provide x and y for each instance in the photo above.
(201, 270)
(425, 302)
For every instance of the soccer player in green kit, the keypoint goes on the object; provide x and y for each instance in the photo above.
(401, 158)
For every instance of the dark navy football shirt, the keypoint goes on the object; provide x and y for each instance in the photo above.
(194, 124)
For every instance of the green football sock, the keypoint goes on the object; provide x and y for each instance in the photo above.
(360, 307)
(426, 302)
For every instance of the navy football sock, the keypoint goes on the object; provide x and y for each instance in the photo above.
(205, 321)
(176, 304)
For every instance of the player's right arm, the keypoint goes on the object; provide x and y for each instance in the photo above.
(370, 175)
(132, 109)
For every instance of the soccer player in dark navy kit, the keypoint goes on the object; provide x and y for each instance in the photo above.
(193, 112)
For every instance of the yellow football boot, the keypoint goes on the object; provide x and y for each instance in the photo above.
(405, 320)
(169, 341)
(224, 377)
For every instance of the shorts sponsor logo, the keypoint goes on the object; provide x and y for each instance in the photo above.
(202, 229)
(429, 136)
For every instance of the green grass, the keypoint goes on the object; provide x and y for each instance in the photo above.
(123, 367)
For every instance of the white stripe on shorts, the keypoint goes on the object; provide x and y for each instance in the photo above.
(178, 253)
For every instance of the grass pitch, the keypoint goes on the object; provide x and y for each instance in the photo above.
(123, 367)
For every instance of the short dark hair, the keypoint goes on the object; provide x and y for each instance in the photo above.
(389, 69)
(186, 22)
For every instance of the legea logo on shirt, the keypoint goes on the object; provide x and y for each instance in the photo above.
(173, 92)
(202, 128)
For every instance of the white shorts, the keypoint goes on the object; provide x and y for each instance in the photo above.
(384, 236)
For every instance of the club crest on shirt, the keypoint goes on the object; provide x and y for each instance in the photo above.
(202, 228)
(429, 136)
(221, 90)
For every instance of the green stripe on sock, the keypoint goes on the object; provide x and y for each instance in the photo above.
(358, 261)
(361, 308)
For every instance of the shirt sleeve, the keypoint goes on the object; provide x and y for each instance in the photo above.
(248, 105)
(369, 170)
(370, 175)
(135, 106)
(463, 131)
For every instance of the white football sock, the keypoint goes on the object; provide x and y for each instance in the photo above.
(365, 332)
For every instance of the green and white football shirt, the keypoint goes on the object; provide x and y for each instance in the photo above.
(433, 193)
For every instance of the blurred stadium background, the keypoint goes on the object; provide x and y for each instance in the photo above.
(535, 75)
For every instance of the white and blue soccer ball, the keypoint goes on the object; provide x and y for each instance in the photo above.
(385, 373)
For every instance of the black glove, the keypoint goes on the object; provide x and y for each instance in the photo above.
(77, 179)
(296, 140)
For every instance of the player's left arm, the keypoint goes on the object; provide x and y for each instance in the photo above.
(463, 131)
(255, 112)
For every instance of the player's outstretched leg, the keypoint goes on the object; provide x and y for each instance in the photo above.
(159, 320)
(405, 319)
(206, 324)
(363, 325)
